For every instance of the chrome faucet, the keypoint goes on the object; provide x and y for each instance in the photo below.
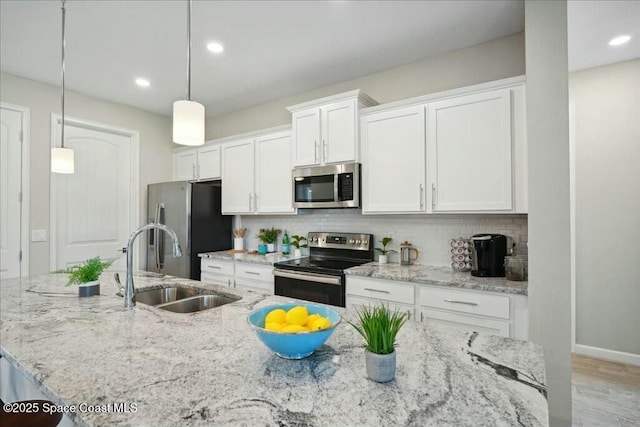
(129, 289)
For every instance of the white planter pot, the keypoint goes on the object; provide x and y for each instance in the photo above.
(89, 289)
(381, 368)
(383, 259)
(271, 247)
(297, 253)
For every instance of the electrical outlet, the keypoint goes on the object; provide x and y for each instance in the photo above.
(38, 235)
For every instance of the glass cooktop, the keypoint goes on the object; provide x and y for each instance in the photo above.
(319, 265)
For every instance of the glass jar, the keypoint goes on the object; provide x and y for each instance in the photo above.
(514, 268)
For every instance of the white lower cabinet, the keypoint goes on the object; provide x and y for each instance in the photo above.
(236, 274)
(500, 314)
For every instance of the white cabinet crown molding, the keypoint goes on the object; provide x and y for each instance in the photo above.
(439, 96)
(363, 99)
(233, 138)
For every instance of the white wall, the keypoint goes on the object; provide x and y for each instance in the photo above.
(485, 62)
(549, 222)
(430, 234)
(607, 125)
(43, 99)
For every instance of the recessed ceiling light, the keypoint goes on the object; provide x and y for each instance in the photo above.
(142, 82)
(617, 41)
(215, 47)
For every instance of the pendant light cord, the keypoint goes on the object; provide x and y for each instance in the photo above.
(189, 51)
(62, 96)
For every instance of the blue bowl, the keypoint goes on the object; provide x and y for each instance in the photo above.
(293, 345)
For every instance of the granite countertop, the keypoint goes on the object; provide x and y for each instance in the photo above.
(208, 368)
(254, 258)
(439, 276)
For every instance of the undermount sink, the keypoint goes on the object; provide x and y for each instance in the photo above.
(183, 300)
(165, 295)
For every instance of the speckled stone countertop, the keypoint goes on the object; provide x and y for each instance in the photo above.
(440, 276)
(208, 368)
(268, 259)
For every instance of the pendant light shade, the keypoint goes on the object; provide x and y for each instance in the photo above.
(188, 123)
(62, 160)
(188, 115)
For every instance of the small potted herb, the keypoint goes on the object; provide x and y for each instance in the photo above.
(269, 237)
(298, 243)
(86, 276)
(383, 258)
(379, 327)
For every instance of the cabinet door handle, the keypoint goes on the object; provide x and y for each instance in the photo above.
(421, 196)
(214, 267)
(198, 171)
(252, 272)
(433, 196)
(229, 282)
(324, 150)
(193, 171)
(377, 290)
(421, 316)
(453, 301)
(250, 202)
(315, 151)
(255, 201)
(409, 314)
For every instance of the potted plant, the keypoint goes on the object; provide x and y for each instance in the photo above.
(269, 237)
(298, 243)
(383, 258)
(86, 276)
(379, 327)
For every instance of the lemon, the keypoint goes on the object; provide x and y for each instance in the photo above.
(294, 328)
(320, 323)
(297, 315)
(273, 326)
(310, 319)
(276, 316)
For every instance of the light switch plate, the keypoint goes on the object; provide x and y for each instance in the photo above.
(38, 235)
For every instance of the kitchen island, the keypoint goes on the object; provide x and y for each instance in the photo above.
(208, 368)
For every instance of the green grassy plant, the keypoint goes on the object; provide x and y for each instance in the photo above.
(87, 272)
(379, 326)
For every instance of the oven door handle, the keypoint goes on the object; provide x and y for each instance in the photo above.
(309, 277)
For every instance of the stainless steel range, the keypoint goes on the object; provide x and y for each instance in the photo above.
(320, 277)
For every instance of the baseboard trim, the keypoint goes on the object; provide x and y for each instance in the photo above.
(613, 355)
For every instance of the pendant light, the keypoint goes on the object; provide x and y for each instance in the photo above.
(61, 157)
(188, 115)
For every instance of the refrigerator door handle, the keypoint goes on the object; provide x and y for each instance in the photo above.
(154, 239)
(160, 238)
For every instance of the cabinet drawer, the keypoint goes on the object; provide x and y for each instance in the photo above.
(467, 322)
(254, 285)
(390, 291)
(254, 272)
(216, 279)
(354, 303)
(216, 267)
(482, 304)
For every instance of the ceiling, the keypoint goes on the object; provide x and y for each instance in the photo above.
(273, 49)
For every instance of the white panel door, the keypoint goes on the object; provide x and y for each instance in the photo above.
(209, 163)
(339, 132)
(184, 165)
(274, 188)
(306, 137)
(393, 161)
(92, 205)
(10, 187)
(237, 177)
(470, 153)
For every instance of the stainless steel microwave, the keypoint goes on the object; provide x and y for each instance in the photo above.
(333, 186)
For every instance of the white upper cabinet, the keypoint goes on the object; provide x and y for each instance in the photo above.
(197, 164)
(393, 161)
(470, 153)
(274, 192)
(325, 131)
(256, 175)
(238, 196)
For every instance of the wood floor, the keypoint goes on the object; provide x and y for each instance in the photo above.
(605, 393)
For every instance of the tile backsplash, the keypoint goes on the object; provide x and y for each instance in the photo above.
(431, 234)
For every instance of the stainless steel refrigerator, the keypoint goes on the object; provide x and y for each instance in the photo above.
(193, 210)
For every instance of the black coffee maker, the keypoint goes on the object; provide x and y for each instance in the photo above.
(489, 251)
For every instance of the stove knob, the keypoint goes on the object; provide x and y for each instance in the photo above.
(366, 242)
(358, 241)
(352, 241)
